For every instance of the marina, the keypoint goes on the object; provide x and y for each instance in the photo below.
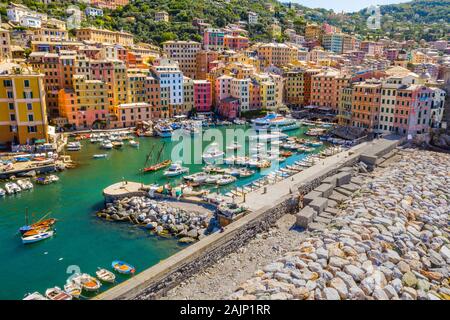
(98, 242)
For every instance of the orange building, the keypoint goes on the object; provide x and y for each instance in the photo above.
(366, 104)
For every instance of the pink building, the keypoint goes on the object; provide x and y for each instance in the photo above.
(229, 108)
(391, 54)
(202, 96)
(213, 39)
(235, 42)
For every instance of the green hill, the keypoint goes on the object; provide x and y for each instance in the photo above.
(419, 19)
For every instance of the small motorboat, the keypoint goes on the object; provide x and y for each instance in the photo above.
(12, 188)
(123, 267)
(2, 192)
(56, 293)
(38, 237)
(100, 156)
(105, 275)
(212, 179)
(117, 144)
(74, 146)
(53, 178)
(175, 170)
(212, 153)
(35, 296)
(107, 145)
(234, 146)
(87, 282)
(72, 289)
(245, 173)
(133, 143)
(25, 184)
(225, 180)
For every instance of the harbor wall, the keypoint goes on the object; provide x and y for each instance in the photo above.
(155, 281)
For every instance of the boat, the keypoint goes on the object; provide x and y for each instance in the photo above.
(73, 146)
(73, 289)
(245, 173)
(175, 170)
(234, 146)
(53, 178)
(159, 165)
(36, 231)
(123, 267)
(212, 179)
(100, 156)
(273, 136)
(199, 177)
(35, 296)
(212, 153)
(87, 282)
(117, 144)
(107, 145)
(226, 179)
(2, 192)
(105, 275)
(163, 131)
(12, 188)
(56, 293)
(38, 237)
(314, 144)
(43, 223)
(275, 122)
(25, 184)
(133, 143)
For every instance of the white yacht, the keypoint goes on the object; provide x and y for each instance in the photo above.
(175, 170)
(275, 122)
(212, 153)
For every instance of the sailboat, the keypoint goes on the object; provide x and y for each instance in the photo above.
(159, 165)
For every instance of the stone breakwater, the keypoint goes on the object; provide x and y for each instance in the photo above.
(162, 217)
(390, 240)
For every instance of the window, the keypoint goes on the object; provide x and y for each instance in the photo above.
(26, 83)
(29, 106)
(30, 118)
(32, 129)
(12, 117)
(11, 106)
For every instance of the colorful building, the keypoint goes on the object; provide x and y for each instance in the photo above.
(202, 96)
(213, 39)
(185, 53)
(23, 114)
(104, 36)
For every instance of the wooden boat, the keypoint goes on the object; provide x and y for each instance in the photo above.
(123, 267)
(38, 237)
(105, 275)
(87, 282)
(37, 225)
(117, 144)
(73, 289)
(36, 231)
(35, 296)
(56, 293)
(157, 166)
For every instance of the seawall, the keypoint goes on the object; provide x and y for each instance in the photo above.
(267, 208)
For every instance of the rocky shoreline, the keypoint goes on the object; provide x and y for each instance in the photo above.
(389, 240)
(165, 218)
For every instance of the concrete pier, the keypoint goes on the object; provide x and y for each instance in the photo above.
(124, 189)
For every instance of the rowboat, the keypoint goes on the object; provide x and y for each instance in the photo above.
(73, 289)
(35, 296)
(105, 275)
(117, 144)
(133, 143)
(99, 156)
(87, 282)
(123, 267)
(38, 237)
(158, 166)
(56, 293)
(41, 224)
(34, 232)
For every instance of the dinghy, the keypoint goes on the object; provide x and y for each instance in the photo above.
(56, 293)
(123, 267)
(38, 237)
(87, 282)
(105, 275)
(100, 156)
(73, 289)
(35, 296)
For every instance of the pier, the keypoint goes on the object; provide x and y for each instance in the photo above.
(266, 208)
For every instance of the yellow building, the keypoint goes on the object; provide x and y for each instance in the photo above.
(104, 36)
(294, 87)
(23, 117)
(188, 95)
(313, 32)
(277, 54)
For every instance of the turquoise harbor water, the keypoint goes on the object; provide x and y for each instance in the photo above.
(83, 241)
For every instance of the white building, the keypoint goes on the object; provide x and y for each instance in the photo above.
(170, 76)
(22, 15)
(30, 22)
(93, 12)
(240, 88)
(437, 107)
(252, 17)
